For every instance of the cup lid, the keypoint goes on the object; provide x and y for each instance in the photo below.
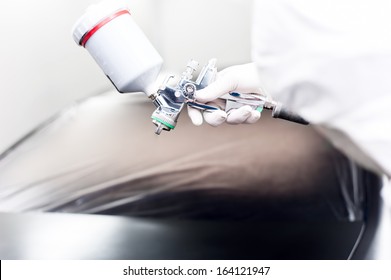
(96, 16)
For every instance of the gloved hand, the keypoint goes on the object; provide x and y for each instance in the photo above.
(240, 78)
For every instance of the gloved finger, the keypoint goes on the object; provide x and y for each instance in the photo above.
(215, 118)
(195, 115)
(214, 90)
(240, 115)
(254, 117)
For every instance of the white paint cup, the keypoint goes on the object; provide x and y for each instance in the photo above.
(119, 46)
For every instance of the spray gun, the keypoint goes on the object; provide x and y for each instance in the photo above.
(170, 100)
(132, 64)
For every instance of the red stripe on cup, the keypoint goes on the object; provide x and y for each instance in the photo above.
(88, 35)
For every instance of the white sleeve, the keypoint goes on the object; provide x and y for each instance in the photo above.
(331, 62)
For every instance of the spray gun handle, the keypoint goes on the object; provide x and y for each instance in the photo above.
(259, 102)
(235, 100)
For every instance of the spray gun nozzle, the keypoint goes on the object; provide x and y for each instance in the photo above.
(161, 125)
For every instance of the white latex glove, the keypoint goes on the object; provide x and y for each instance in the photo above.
(240, 78)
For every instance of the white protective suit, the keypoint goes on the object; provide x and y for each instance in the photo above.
(330, 61)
